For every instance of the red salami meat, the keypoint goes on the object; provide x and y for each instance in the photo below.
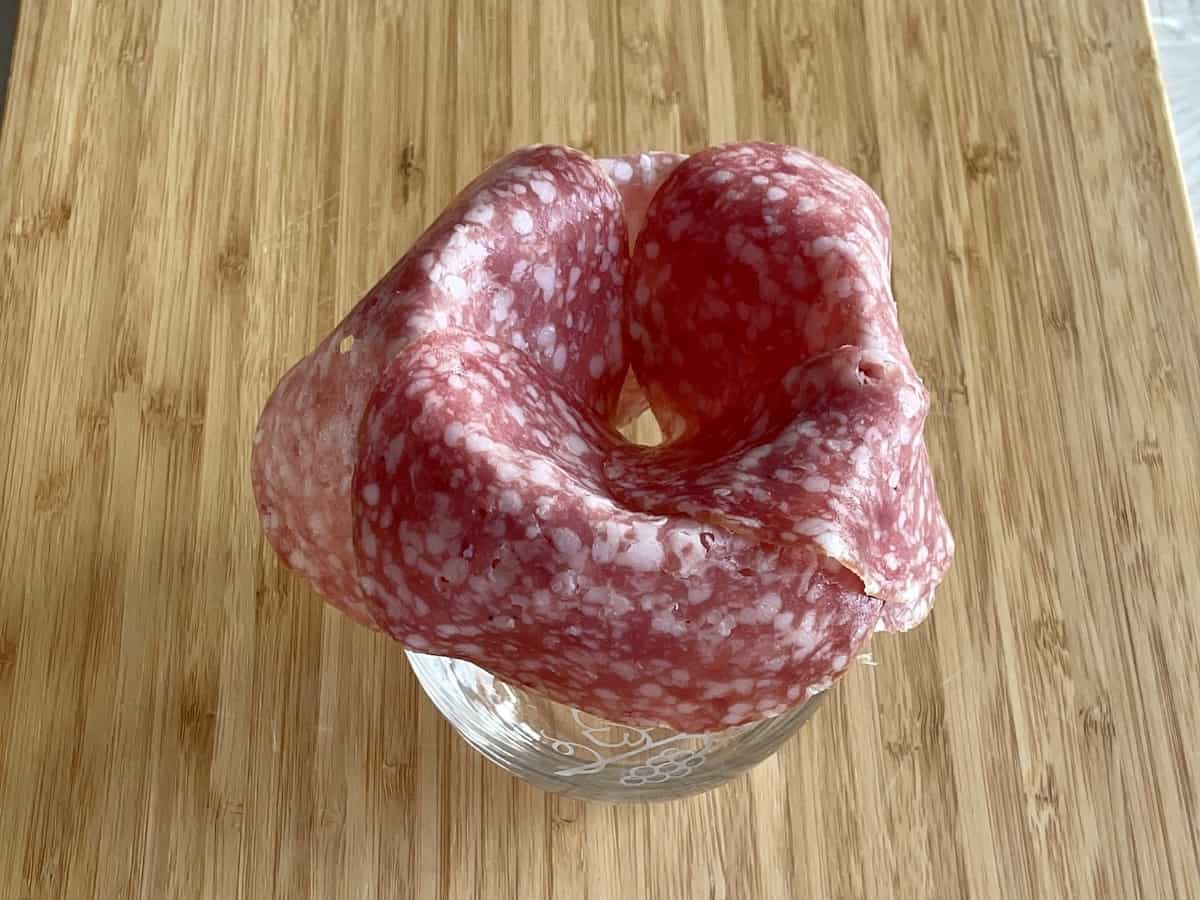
(445, 465)
(533, 252)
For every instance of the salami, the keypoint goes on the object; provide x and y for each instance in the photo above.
(445, 466)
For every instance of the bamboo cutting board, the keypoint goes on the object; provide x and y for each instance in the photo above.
(193, 193)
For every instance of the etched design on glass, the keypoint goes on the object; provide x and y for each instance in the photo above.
(659, 754)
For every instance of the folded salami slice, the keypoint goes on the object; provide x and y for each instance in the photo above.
(486, 531)
(765, 334)
(445, 467)
(533, 252)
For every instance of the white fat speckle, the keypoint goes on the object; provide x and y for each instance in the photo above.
(546, 337)
(544, 190)
(507, 471)
(622, 171)
(715, 689)
(576, 444)
(775, 193)
(596, 366)
(370, 494)
(566, 541)
(455, 286)
(721, 176)
(650, 689)
(543, 473)
(455, 570)
(645, 554)
(619, 605)
(624, 670)
(478, 443)
(604, 549)
(522, 223)
(564, 584)
(861, 457)
(822, 246)
(593, 284)
(395, 450)
(502, 303)
(760, 180)
(811, 527)
(664, 621)
(547, 280)
(766, 607)
(559, 361)
(453, 433)
(679, 225)
(480, 214)
(910, 403)
(817, 484)
(367, 542)
(417, 387)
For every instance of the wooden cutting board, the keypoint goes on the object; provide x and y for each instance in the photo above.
(193, 194)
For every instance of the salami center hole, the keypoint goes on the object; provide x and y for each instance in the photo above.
(644, 430)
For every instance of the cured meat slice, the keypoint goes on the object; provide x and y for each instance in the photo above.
(533, 252)
(487, 532)
(765, 335)
(445, 467)
(832, 456)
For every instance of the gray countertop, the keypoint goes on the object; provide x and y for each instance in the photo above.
(1177, 33)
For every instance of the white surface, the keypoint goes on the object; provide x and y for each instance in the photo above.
(1177, 32)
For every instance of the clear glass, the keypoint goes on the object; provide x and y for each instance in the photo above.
(567, 751)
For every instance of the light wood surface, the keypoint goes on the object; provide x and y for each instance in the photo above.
(191, 195)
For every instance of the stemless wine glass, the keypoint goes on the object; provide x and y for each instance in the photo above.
(567, 751)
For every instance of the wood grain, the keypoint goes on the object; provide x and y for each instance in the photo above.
(191, 196)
